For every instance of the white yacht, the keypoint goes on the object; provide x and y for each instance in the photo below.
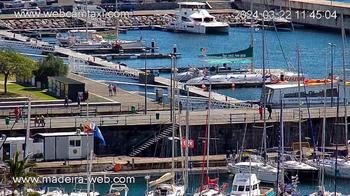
(265, 172)
(161, 187)
(343, 167)
(194, 18)
(245, 184)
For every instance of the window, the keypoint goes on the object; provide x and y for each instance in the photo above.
(240, 188)
(234, 188)
(197, 19)
(74, 143)
(255, 186)
(208, 19)
(247, 188)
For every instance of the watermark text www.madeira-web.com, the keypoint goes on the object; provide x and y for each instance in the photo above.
(74, 180)
(72, 14)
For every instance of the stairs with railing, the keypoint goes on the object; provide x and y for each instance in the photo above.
(166, 132)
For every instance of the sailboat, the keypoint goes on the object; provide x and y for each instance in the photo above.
(323, 163)
(165, 185)
(264, 171)
(211, 186)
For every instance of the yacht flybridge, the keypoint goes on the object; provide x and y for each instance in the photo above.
(194, 18)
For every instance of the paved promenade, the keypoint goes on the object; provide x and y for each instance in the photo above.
(125, 98)
(218, 116)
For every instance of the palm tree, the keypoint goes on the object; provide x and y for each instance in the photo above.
(19, 168)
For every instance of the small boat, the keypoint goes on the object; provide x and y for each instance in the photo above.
(81, 190)
(245, 184)
(192, 17)
(162, 187)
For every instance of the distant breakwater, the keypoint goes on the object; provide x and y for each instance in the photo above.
(133, 21)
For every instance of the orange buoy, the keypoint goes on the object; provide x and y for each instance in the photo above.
(117, 167)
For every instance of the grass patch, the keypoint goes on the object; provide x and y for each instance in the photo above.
(9, 78)
(16, 90)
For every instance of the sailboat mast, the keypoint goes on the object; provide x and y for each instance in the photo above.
(187, 138)
(208, 139)
(264, 90)
(252, 36)
(344, 86)
(117, 22)
(323, 135)
(173, 121)
(299, 107)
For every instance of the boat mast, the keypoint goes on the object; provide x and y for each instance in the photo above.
(117, 22)
(344, 86)
(173, 118)
(299, 108)
(264, 90)
(252, 36)
(323, 135)
(86, 20)
(187, 138)
(208, 139)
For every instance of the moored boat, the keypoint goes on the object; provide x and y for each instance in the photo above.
(192, 17)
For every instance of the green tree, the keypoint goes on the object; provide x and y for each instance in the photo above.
(18, 168)
(15, 64)
(50, 66)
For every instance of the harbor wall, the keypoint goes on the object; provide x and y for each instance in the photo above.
(310, 8)
(122, 140)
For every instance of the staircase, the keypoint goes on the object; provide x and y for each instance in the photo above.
(152, 140)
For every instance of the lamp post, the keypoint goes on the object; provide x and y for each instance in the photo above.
(26, 152)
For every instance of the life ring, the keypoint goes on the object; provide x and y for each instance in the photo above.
(117, 167)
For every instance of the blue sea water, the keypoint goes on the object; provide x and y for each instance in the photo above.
(280, 53)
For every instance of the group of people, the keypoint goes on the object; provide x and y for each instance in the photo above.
(112, 90)
(39, 121)
(269, 110)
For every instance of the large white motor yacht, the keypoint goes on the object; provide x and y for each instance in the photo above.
(194, 18)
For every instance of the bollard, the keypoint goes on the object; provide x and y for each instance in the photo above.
(7, 120)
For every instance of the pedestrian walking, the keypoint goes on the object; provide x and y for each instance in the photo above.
(66, 101)
(17, 113)
(36, 121)
(269, 109)
(42, 121)
(78, 100)
(110, 90)
(261, 112)
(180, 106)
(114, 90)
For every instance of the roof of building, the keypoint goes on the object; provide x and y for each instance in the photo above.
(66, 80)
(59, 134)
(191, 3)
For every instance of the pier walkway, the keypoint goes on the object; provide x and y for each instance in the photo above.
(119, 69)
(125, 98)
(218, 116)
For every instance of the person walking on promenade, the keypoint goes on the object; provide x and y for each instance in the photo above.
(42, 121)
(114, 90)
(110, 90)
(17, 113)
(78, 100)
(269, 109)
(261, 111)
(66, 101)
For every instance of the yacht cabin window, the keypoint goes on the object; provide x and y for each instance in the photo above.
(207, 19)
(234, 188)
(240, 188)
(197, 19)
(247, 188)
(255, 186)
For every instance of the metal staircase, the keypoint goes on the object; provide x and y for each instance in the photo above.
(152, 140)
